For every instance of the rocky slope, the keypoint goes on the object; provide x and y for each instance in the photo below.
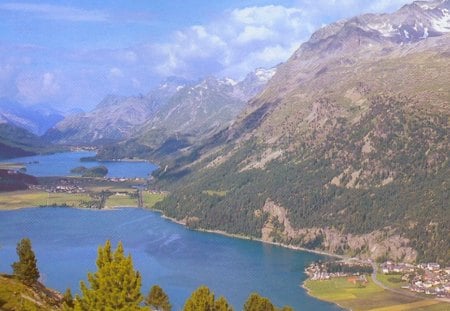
(202, 108)
(349, 139)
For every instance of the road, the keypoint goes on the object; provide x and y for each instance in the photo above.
(394, 290)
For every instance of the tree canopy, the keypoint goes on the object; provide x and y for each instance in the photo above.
(157, 299)
(115, 285)
(202, 299)
(26, 268)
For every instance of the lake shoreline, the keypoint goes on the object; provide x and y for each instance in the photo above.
(182, 223)
(244, 237)
(308, 292)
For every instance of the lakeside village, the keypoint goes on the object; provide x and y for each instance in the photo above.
(425, 278)
(73, 185)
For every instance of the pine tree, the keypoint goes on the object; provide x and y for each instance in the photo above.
(157, 299)
(221, 304)
(67, 300)
(115, 285)
(202, 299)
(26, 268)
(257, 303)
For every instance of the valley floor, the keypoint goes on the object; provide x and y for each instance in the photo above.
(80, 192)
(369, 297)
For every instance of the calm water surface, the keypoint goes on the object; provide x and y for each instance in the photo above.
(60, 164)
(66, 240)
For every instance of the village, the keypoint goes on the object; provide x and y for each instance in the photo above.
(425, 278)
(428, 278)
(337, 269)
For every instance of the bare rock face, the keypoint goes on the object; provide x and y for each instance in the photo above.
(375, 245)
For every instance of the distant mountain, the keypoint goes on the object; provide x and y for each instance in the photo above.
(114, 118)
(199, 109)
(36, 119)
(344, 150)
(111, 120)
(176, 108)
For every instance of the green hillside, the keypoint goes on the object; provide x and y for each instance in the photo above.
(18, 142)
(346, 150)
(14, 295)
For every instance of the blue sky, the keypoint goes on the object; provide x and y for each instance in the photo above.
(72, 53)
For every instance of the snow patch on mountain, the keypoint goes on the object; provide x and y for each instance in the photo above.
(442, 24)
(265, 74)
(385, 29)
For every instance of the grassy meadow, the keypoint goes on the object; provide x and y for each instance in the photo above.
(118, 195)
(370, 297)
(31, 198)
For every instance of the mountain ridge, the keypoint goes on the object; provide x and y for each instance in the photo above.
(119, 118)
(36, 119)
(348, 139)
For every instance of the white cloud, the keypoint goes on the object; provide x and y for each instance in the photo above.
(115, 73)
(56, 12)
(253, 33)
(136, 83)
(36, 88)
(228, 45)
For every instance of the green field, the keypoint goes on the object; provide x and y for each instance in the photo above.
(368, 298)
(150, 198)
(215, 193)
(11, 166)
(30, 198)
(391, 280)
(123, 200)
(121, 197)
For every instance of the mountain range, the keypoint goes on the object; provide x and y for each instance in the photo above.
(36, 119)
(344, 150)
(20, 127)
(176, 107)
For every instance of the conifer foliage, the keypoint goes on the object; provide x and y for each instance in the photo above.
(202, 299)
(157, 299)
(26, 268)
(257, 303)
(115, 285)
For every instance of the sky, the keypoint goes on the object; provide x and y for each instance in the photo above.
(71, 54)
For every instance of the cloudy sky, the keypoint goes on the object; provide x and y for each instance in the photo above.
(72, 53)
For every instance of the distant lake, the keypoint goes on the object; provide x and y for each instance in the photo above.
(66, 240)
(60, 164)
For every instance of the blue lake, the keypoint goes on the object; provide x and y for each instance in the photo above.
(60, 164)
(66, 240)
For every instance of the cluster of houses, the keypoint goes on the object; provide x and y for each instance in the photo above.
(427, 278)
(117, 179)
(321, 271)
(123, 179)
(390, 267)
(63, 186)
